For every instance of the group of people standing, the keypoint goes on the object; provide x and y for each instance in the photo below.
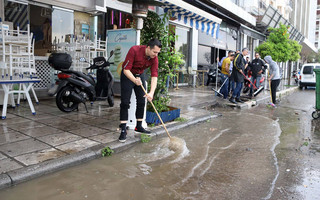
(233, 74)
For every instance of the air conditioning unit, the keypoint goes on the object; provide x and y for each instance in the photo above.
(100, 5)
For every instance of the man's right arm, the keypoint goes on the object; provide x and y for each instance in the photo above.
(130, 76)
(127, 66)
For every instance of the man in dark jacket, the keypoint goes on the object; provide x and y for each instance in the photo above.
(237, 75)
(257, 67)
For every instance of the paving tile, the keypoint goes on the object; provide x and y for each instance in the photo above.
(113, 126)
(56, 120)
(2, 156)
(8, 164)
(39, 116)
(42, 131)
(11, 136)
(59, 138)
(95, 120)
(70, 125)
(14, 120)
(77, 146)
(5, 129)
(25, 125)
(22, 147)
(40, 156)
(88, 131)
(78, 117)
(105, 138)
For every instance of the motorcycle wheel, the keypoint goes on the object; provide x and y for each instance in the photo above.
(315, 114)
(64, 102)
(111, 101)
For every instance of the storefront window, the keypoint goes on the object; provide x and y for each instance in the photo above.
(62, 25)
(118, 19)
(182, 45)
(16, 13)
(40, 26)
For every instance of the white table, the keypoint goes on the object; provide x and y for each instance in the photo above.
(7, 86)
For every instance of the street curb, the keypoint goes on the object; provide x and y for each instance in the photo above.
(266, 99)
(17, 176)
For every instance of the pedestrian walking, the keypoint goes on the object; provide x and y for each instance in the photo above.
(237, 74)
(139, 58)
(274, 77)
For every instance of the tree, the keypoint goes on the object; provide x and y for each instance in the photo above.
(279, 46)
(169, 60)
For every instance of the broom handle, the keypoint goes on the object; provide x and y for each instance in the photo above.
(270, 86)
(165, 128)
(249, 80)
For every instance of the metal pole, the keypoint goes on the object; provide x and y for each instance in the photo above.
(217, 72)
(139, 27)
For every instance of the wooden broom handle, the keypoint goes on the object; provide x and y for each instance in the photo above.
(165, 128)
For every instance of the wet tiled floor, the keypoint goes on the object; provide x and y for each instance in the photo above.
(27, 139)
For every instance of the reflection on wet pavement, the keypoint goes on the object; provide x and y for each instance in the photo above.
(244, 154)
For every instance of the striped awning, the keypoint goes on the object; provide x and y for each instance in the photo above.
(193, 16)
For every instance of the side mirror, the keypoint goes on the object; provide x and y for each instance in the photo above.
(111, 53)
(82, 59)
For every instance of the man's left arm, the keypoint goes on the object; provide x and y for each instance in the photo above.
(154, 80)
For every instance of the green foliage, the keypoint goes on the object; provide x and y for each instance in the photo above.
(145, 138)
(279, 46)
(180, 119)
(107, 151)
(314, 57)
(156, 26)
(295, 50)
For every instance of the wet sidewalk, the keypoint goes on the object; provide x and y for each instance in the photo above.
(31, 146)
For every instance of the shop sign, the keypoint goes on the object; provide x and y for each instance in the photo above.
(120, 41)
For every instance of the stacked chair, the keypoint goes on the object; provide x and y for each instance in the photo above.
(17, 61)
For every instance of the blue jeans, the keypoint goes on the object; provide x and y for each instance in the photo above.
(257, 82)
(224, 88)
(231, 86)
(237, 90)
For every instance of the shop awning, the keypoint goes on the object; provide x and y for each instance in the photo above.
(193, 16)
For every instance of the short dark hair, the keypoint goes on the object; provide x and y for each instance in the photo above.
(245, 49)
(154, 42)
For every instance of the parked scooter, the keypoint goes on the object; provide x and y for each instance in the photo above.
(76, 87)
(295, 75)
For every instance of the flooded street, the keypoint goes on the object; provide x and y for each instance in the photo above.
(260, 153)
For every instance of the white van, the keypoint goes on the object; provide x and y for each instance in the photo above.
(307, 77)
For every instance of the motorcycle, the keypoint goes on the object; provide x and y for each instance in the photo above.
(76, 87)
(295, 75)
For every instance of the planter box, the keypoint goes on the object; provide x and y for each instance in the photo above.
(152, 117)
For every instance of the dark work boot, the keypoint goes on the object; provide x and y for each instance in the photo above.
(239, 100)
(232, 100)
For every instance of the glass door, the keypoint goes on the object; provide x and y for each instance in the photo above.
(62, 24)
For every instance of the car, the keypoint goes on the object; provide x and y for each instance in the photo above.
(307, 76)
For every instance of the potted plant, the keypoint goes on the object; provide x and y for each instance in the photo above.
(169, 60)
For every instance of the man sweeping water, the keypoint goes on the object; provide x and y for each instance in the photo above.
(139, 58)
